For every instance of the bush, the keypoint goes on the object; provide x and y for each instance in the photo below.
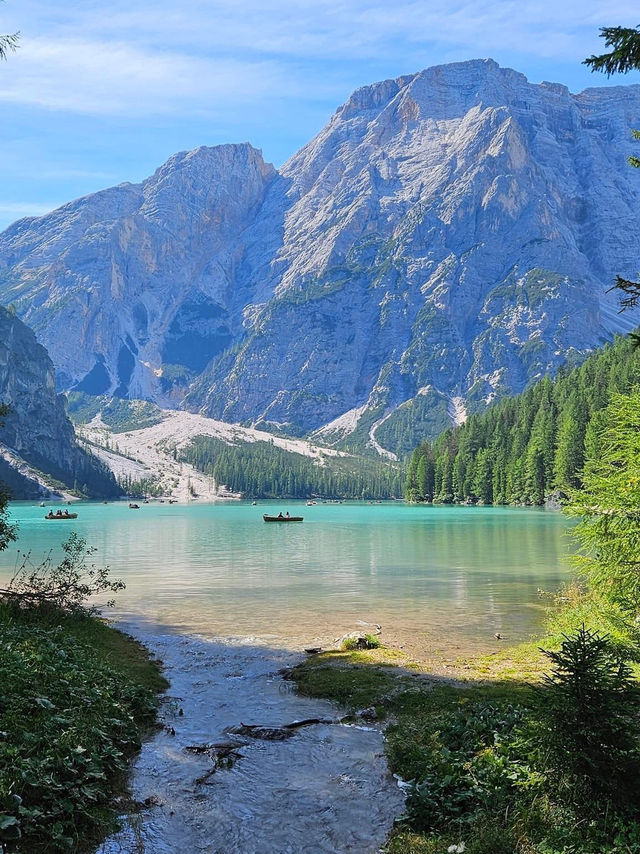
(463, 767)
(588, 707)
(65, 587)
(68, 722)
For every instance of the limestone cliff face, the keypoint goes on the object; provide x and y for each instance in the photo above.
(37, 431)
(132, 290)
(448, 237)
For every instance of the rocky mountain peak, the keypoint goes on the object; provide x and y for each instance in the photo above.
(448, 236)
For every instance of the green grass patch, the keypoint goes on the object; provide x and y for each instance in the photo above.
(75, 699)
(476, 752)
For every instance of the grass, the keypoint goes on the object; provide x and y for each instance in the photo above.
(370, 642)
(76, 698)
(471, 744)
(118, 650)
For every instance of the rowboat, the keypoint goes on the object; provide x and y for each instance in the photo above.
(62, 516)
(282, 518)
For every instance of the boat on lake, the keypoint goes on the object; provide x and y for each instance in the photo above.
(281, 518)
(65, 515)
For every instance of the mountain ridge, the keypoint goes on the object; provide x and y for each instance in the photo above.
(448, 236)
(37, 441)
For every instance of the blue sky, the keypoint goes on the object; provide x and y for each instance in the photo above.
(100, 93)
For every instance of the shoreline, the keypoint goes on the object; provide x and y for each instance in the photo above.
(330, 779)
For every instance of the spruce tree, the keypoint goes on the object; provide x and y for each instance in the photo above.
(608, 506)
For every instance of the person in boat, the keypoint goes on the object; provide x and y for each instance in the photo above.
(66, 513)
(280, 516)
(287, 515)
(59, 513)
(50, 514)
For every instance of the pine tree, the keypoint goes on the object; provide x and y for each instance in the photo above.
(609, 506)
(569, 456)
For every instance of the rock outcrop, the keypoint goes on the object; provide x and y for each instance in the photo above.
(447, 238)
(37, 440)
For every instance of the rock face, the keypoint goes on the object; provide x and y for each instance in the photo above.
(447, 238)
(37, 435)
(132, 289)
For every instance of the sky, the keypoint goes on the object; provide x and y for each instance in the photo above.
(99, 93)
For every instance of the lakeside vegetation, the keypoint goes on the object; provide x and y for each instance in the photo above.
(77, 696)
(263, 470)
(528, 446)
(536, 750)
(496, 764)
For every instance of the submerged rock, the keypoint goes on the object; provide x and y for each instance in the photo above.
(556, 500)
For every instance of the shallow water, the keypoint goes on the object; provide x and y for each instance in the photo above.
(325, 790)
(446, 577)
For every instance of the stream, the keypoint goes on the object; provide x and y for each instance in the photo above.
(325, 790)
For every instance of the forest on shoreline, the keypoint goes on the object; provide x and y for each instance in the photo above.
(526, 447)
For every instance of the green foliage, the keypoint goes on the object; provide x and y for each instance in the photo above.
(608, 506)
(625, 55)
(65, 587)
(119, 414)
(525, 447)
(424, 415)
(141, 487)
(351, 643)
(68, 721)
(486, 762)
(462, 768)
(263, 470)
(588, 710)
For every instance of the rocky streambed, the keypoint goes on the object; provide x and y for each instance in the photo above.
(215, 784)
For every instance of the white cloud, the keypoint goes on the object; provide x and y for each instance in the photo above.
(103, 77)
(141, 58)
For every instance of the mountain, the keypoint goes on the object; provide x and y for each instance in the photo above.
(447, 238)
(37, 440)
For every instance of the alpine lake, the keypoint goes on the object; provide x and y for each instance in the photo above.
(441, 579)
(227, 602)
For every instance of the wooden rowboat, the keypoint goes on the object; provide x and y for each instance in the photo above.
(282, 518)
(63, 516)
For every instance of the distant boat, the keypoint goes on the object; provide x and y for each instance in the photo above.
(134, 506)
(282, 518)
(65, 515)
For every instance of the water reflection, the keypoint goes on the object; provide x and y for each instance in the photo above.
(220, 570)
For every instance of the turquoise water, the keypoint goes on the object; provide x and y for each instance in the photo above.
(445, 578)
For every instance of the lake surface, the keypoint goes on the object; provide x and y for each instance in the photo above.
(441, 578)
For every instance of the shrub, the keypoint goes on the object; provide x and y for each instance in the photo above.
(68, 722)
(67, 586)
(588, 707)
(461, 768)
